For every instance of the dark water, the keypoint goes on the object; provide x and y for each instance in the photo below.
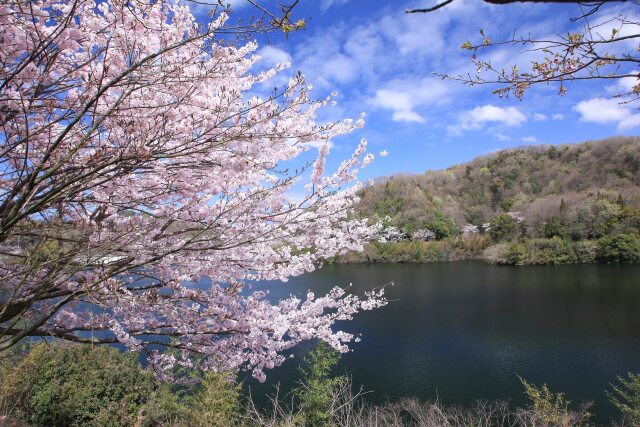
(466, 330)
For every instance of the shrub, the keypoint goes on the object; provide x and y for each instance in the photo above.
(84, 386)
(317, 387)
(217, 402)
(533, 251)
(599, 217)
(555, 226)
(441, 226)
(619, 248)
(552, 409)
(626, 397)
(549, 251)
(503, 227)
(434, 251)
(515, 254)
(585, 250)
(496, 253)
(473, 243)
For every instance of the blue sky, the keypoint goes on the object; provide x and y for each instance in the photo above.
(382, 61)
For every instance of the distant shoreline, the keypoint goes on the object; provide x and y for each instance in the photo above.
(620, 248)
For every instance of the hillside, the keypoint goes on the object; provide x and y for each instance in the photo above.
(569, 197)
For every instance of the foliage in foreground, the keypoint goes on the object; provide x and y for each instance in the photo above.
(84, 386)
(552, 409)
(317, 386)
(73, 386)
(626, 397)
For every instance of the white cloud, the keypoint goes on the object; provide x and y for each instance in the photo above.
(318, 144)
(501, 136)
(478, 117)
(321, 60)
(629, 122)
(340, 68)
(384, 60)
(624, 85)
(407, 116)
(313, 144)
(387, 47)
(529, 139)
(404, 96)
(509, 116)
(604, 111)
(271, 55)
(601, 110)
(557, 116)
(625, 23)
(233, 3)
(393, 99)
(201, 8)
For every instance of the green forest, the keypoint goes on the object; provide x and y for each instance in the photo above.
(532, 205)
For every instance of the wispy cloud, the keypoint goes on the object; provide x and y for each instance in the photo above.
(326, 4)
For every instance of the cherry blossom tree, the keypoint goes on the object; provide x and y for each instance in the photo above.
(423, 234)
(393, 234)
(469, 229)
(137, 158)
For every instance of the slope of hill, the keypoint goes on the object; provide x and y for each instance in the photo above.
(540, 204)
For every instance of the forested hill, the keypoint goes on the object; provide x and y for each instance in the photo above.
(573, 193)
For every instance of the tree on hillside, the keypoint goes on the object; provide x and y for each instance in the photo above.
(137, 154)
(602, 45)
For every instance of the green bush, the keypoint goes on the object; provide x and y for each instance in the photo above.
(404, 251)
(514, 254)
(442, 226)
(619, 248)
(537, 251)
(602, 218)
(503, 228)
(550, 251)
(317, 387)
(84, 386)
(555, 226)
(217, 402)
(552, 409)
(626, 397)
(585, 250)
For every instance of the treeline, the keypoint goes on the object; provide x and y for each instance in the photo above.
(64, 385)
(533, 205)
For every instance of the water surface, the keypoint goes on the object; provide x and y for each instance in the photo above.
(466, 330)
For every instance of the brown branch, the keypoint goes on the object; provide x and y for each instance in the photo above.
(430, 9)
(502, 2)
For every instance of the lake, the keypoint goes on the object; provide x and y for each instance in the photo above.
(466, 330)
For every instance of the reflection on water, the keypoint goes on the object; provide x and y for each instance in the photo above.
(466, 330)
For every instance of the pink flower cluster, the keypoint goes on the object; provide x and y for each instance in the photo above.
(136, 157)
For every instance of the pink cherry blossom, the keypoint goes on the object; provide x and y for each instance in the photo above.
(137, 156)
